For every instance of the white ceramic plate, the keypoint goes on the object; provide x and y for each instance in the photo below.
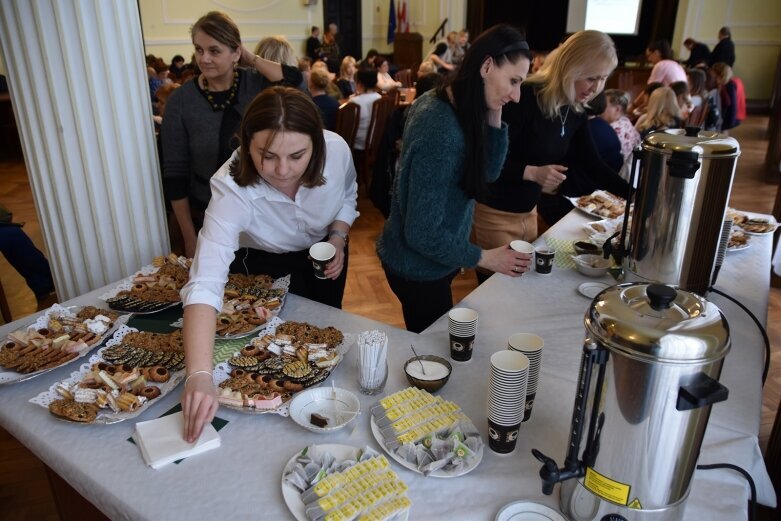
(592, 289)
(407, 465)
(340, 406)
(528, 511)
(293, 497)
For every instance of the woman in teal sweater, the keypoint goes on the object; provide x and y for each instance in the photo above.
(453, 142)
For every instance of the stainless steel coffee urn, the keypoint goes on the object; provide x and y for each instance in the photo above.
(677, 223)
(651, 362)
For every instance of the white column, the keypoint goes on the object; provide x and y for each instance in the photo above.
(78, 83)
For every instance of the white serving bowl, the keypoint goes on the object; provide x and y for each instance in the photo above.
(592, 265)
(340, 406)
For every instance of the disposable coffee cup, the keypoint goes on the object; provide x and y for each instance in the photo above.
(321, 253)
(462, 328)
(522, 247)
(543, 260)
(502, 438)
(527, 412)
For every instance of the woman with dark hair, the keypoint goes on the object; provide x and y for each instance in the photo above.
(454, 141)
(203, 116)
(384, 80)
(548, 132)
(289, 185)
(666, 70)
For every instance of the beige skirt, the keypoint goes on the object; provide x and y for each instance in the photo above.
(493, 228)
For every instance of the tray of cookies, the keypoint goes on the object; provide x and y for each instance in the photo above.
(120, 380)
(249, 302)
(334, 481)
(58, 337)
(153, 288)
(600, 204)
(283, 359)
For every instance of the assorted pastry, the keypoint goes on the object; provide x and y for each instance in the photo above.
(118, 388)
(603, 204)
(145, 349)
(268, 370)
(66, 336)
(157, 290)
(737, 240)
(363, 488)
(249, 301)
(750, 224)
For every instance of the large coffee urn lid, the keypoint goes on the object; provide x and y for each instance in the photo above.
(705, 144)
(658, 323)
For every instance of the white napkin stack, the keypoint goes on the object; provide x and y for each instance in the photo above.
(161, 440)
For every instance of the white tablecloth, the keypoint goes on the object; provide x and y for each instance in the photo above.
(242, 479)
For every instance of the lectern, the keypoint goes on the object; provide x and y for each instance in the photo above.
(407, 50)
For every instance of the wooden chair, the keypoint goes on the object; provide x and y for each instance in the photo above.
(381, 109)
(405, 77)
(347, 118)
(698, 115)
(392, 95)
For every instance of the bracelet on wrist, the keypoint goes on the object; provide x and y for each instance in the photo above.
(195, 373)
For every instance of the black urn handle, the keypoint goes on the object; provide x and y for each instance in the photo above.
(660, 296)
(702, 390)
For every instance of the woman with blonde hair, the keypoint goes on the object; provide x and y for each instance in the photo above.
(548, 130)
(346, 81)
(277, 49)
(728, 92)
(663, 112)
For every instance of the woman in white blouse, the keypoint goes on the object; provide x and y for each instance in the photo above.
(290, 184)
(384, 80)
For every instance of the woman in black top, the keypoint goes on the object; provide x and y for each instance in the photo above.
(548, 131)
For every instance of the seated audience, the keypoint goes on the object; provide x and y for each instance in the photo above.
(346, 81)
(384, 80)
(697, 92)
(662, 113)
(666, 70)
(368, 62)
(615, 114)
(366, 95)
(638, 106)
(277, 49)
(681, 90)
(605, 139)
(426, 67)
(318, 83)
(177, 66)
(730, 96)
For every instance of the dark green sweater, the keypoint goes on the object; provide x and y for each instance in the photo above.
(426, 236)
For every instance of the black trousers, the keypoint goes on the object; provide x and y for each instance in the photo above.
(422, 301)
(302, 277)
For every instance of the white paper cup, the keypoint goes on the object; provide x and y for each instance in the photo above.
(525, 343)
(522, 247)
(322, 253)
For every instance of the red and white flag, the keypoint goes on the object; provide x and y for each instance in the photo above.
(402, 17)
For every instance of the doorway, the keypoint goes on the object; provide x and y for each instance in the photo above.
(347, 16)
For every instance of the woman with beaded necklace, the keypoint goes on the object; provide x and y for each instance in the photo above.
(203, 116)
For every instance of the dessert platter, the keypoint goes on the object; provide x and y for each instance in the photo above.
(120, 380)
(600, 204)
(56, 338)
(752, 225)
(738, 241)
(426, 434)
(285, 358)
(154, 288)
(249, 302)
(337, 482)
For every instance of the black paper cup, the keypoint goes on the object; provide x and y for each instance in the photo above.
(321, 253)
(502, 438)
(543, 260)
(461, 347)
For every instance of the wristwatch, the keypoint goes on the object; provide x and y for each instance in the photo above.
(341, 235)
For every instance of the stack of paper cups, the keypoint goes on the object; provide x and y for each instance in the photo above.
(506, 398)
(530, 345)
(462, 327)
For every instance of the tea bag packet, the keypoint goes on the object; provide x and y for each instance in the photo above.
(367, 485)
(385, 417)
(388, 511)
(354, 507)
(413, 429)
(395, 399)
(333, 481)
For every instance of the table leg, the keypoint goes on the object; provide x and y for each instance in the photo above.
(70, 504)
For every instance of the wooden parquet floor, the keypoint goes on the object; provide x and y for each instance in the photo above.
(24, 489)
